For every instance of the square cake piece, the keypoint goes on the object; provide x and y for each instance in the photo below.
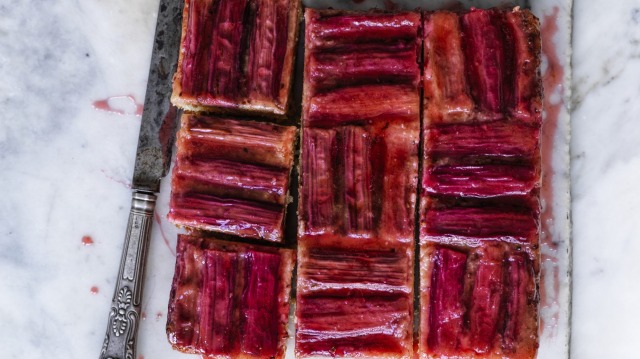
(358, 184)
(232, 176)
(478, 301)
(354, 302)
(237, 56)
(480, 206)
(229, 300)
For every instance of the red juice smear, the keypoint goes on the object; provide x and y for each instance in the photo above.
(108, 105)
(544, 295)
(549, 296)
(87, 240)
(552, 80)
(94, 290)
(164, 236)
(117, 180)
(158, 316)
(143, 315)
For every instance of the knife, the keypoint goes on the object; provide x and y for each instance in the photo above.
(157, 132)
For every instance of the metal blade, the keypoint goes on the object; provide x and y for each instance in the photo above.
(157, 130)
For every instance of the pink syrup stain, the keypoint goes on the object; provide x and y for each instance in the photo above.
(94, 290)
(121, 181)
(121, 105)
(552, 79)
(87, 240)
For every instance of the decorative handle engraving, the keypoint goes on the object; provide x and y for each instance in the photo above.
(124, 317)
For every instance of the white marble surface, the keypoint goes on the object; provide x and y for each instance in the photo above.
(66, 168)
(606, 173)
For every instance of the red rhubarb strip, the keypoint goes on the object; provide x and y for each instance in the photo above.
(363, 104)
(267, 49)
(327, 70)
(445, 301)
(445, 86)
(480, 180)
(485, 57)
(227, 47)
(217, 307)
(260, 317)
(228, 178)
(279, 52)
(492, 139)
(196, 47)
(327, 28)
(317, 193)
(486, 301)
(336, 268)
(398, 47)
(525, 102)
(358, 206)
(240, 217)
(183, 318)
(237, 140)
(399, 181)
(519, 303)
(481, 222)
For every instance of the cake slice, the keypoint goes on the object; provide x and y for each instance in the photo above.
(237, 56)
(229, 300)
(478, 302)
(482, 65)
(354, 302)
(232, 176)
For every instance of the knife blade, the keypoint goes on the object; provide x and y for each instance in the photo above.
(157, 133)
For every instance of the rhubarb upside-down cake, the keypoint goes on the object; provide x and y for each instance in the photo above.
(479, 210)
(358, 184)
(479, 215)
(237, 56)
(229, 300)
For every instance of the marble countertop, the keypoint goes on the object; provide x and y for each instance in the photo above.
(73, 76)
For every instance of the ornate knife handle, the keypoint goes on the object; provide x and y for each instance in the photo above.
(124, 317)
